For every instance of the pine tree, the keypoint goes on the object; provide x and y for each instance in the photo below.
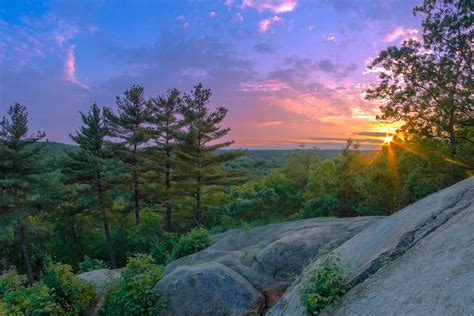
(198, 150)
(129, 127)
(19, 173)
(87, 169)
(165, 132)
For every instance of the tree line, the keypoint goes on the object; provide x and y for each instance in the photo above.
(149, 152)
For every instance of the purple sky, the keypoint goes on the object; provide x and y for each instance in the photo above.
(291, 72)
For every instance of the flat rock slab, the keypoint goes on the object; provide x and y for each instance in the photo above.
(245, 271)
(390, 240)
(435, 277)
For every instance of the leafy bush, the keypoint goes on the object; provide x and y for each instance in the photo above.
(161, 250)
(194, 241)
(57, 292)
(135, 292)
(323, 287)
(321, 206)
(71, 293)
(91, 264)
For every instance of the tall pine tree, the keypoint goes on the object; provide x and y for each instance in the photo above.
(129, 127)
(198, 150)
(87, 170)
(19, 171)
(165, 132)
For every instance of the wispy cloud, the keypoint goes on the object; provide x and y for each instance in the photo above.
(264, 48)
(64, 32)
(184, 23)
(276, 6)
(266, 24)
(271, 123)
(330, 37)
(237, 18)
(401, 33)
(70, 68)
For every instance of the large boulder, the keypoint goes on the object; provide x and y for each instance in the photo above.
(209, 288)
(418, 261)
(245, 271)
(435, 277)
(101, 279)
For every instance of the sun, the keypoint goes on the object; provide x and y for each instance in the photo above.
(387, 139)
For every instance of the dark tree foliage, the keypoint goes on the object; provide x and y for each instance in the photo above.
(128, 126)
(19, 172)
(165, 132)
(86, 170)
(198, 151)
(429, 85)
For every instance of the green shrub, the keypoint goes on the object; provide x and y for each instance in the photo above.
(161, 250)
(71, 293)
(194, 241)
(317, 207)
(323, 287)
(135, 292)
(57, 292)
(91, 264)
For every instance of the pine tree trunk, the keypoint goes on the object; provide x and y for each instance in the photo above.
(197, 209)
(137, 201)
(452, 142)
(108, 241)
(168, 223)
(25, 253)
(108, 236)
(135, 188)
(75, 239)
(6, 254)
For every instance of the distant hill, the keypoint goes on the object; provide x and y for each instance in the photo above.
(54, 149)
(256, 162)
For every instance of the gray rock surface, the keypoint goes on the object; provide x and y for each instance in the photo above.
(418, 261)
(245, 271)
(101, 279)
(213, 289)
(435, 277)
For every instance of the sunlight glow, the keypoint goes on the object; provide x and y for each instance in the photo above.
(387, 139)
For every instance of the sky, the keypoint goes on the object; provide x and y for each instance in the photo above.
(291, 72)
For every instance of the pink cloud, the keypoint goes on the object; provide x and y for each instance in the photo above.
(271, 123)
(266, 24)
(276, 6)
(212, 14)
(64, 32)
(403, 33)
(70, 68)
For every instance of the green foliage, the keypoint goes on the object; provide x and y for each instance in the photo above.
(135, 292)
(200, 160)
(57, 292)
(324, 286)
(428, 86)
(91, 264)
(72, 294)
(196, 240)
(321, 206)
(162, 249)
